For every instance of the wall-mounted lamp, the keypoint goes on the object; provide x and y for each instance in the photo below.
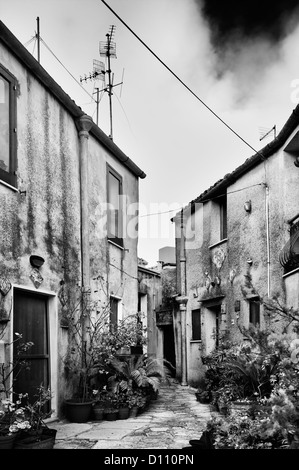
(247, 206)
(36, 261)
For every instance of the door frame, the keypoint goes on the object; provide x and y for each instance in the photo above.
(53, 337)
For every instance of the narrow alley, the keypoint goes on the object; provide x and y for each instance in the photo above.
(169, 423)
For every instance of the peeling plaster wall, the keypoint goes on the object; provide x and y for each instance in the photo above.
(46, 218)
(240, 264)
(117, 265)
(150, 285)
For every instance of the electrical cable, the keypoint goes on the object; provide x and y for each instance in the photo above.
(201, 202)
(66, 69)
(181, 81)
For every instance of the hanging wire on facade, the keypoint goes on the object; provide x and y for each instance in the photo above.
(200, 202)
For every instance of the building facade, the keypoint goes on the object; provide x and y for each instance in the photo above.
(237, 246)
(65, 192)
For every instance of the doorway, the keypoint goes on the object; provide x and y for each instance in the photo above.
(169, 349)
(31, 320)
(212, 326)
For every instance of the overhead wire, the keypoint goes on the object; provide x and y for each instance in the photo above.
(66, 68)
(181, 81)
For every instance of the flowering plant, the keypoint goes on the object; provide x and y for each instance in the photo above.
(36, 412)
(12, 417)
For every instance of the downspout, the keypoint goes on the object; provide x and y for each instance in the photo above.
(268, 238)
(182, 300)
(84, 124)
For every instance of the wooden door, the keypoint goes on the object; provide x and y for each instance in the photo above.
(31, 320)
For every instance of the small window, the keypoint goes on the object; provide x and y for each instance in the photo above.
(113, 314)
(254, 312)
(196, 325)
(223, 217)
(8, 127)
(114, 207)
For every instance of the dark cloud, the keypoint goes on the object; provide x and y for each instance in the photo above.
(247, 19)
(247, 38)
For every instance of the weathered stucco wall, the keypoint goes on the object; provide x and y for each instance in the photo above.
(150, 286)
(223, 272)
(44, 216)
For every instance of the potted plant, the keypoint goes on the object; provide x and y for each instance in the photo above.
(12, 421)
(203, 396)
(99, 403)
(123, 404)
(82, 361)
(111, 406)
(17, 416)
(34, 433)
(136, 402)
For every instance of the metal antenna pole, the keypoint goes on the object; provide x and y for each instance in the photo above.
(38, 40)
(98, 101)
(110, 84)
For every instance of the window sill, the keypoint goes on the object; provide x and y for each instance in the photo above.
(218, 243)
(8, 186)
(115, 244)
(195, 341)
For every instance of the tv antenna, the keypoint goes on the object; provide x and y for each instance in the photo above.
(264, 132)
(98, 73)
(107, 49)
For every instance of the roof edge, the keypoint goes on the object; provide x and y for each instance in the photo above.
(17, 49)
(251, 162)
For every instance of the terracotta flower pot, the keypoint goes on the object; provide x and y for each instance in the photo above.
(111, 414)
(98, 413)
(45, 440)
(7, 441)
(123, 412)
(239, 407)
(77, 412)
(133, 412)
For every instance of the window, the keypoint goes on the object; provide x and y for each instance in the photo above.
(8, 127)
(196, 325)
(223, 217)
(254, 312)
(113, 314)
(114, 207)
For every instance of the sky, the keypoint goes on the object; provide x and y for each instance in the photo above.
(202, 81)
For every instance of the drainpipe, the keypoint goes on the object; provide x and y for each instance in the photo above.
(268, 237)
(182, 300)
(84, 124)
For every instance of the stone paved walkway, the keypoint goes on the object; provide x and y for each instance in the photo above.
(169, 423)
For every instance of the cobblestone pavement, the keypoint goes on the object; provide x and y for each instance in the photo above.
(169, 423)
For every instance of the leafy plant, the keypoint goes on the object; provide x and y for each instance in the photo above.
(137, 372)
(92, 343)
(9, 370)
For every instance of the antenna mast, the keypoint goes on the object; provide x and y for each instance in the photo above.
(38, 40)
(108, 49)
